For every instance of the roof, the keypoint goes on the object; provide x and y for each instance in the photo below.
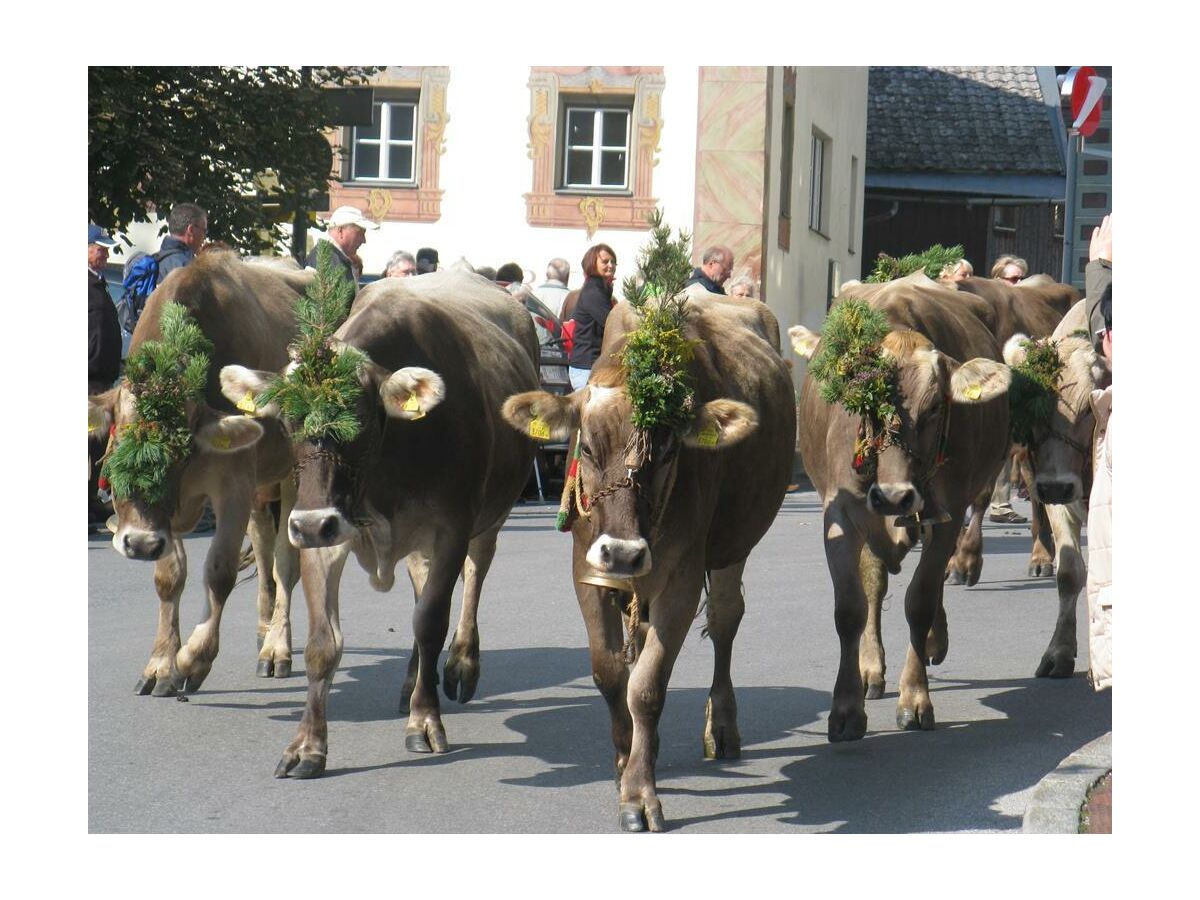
(987, 120)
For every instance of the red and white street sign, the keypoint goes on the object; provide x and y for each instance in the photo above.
(1086, 90)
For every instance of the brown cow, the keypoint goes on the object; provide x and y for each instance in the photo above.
(664, 513)
(1061, 457)
(247, 312)
(961, 408)
(432, 476)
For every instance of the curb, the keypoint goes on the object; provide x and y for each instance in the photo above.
(1059, 797)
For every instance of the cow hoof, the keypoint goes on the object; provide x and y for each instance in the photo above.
(1056, 665)
(953, 576)
(459, 679)
(192, 682)
(266, 668)
(874, 690)
(1041, 570)
(722, 743)
(144, 685)
(910, 720)
(850, 727)
(313, 767)
(283, 668)
(431, 739)
(639, 817)
(163, 687)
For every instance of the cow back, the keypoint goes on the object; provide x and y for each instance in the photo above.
(1033, 309)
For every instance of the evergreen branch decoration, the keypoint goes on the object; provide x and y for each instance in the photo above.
(163, 376)
(656, 354)
(933, 261)
(1034, 389)
(851, 368)
(318, 396)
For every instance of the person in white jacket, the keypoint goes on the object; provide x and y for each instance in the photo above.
(1099, 523)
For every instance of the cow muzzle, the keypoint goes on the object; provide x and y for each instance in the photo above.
(1058, 490)
(898, 499)
(136, 543)
(619, 557)
(311, 528)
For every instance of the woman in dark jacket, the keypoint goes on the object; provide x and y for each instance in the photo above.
(591, 312)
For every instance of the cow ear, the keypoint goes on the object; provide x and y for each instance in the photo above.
(542, 415)
(721, 423)
(804, 342)
(102, 413)
(241, 386)
(978, 380)
(1014, 349)
(227, 434)
(411, 392)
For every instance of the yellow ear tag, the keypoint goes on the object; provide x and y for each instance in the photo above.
(413, 405)
(221, 441)
(539, 429)
(246, 404)
(708, 436)
(973, 392)
(91, 428)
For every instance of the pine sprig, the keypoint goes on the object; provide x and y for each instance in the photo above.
(933, 261)
(319, 395)
(1033, 393)
(851, 368)
(163, 376)
(656, 355)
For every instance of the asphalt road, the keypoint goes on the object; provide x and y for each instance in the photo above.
(531, 753)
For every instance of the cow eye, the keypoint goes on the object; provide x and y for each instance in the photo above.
(585, 448)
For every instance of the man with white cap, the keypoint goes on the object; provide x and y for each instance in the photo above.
(347, 232)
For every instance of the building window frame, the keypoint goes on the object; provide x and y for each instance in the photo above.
(385, 108)
(598, 147)
(852, 236)
(818, 184)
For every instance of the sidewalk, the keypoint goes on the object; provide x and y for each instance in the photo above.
(1058, 799)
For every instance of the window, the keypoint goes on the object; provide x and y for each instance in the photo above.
(595, 149)
(853, 238)
(385, 150)
(818, 185)
(1004, 219)
(785, 175)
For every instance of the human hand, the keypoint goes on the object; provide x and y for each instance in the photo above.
(1101, 246)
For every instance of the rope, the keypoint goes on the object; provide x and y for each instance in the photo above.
(629, 651)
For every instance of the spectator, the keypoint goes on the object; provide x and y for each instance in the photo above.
(554, 291)
(1010, 268)
(487, 272)
(742, 287)
(959, 271)
(401, 265)
(509, 273)
(1099, 520)
(104, 332)
(427, 260)
(347, 232)
(187, 227)
(715, 266)
(591, 312)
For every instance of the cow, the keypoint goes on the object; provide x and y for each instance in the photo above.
(1061, 458)
(662, 513)
(430, 478)
(236, 462)
(951, 440)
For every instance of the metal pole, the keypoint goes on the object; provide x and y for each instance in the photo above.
(1073, 139)
(300, 217)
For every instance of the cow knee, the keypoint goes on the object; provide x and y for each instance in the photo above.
(647, 701)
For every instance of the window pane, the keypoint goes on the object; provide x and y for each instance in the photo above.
(580, 127)
(372, 130)
(400, 162)
(366, 161)
(612, 168)
(579, 167)
(615, 127)
(402, 122)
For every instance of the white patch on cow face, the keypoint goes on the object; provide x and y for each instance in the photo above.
(309, 528)
(600, 396)
(618, 556)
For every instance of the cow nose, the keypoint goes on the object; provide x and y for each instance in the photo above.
(1056, 491)
(143, 546)
(317, 528)
(892, 499)
(620, 556)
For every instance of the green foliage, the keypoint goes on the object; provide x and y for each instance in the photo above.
(160, 135)
(656, 355)
(933, 260)
(1033, 392)
(163, 376)
(319, 395)
(850, 367)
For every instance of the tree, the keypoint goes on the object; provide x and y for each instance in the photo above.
(160, 135)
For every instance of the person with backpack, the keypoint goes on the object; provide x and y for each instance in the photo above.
(187, 227)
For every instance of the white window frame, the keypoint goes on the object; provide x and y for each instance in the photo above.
(597, 148)
(818, 188)
(385, 142)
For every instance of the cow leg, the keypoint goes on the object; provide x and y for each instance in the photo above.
(671, 614)
(921, 603)
(1065, 520)
(871, 663)
(843, 552)
(262, 543)
(606, 638)
(160, 676)
(460, 674)
(966, 565)
(321, 575)
(275, 654)
(418, 573)
(431, 620)
(1041, 557)
(726, 604)
(195, 657)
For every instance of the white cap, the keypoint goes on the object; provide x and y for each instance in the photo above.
(350, 215)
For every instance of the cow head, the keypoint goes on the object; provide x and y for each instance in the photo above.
(331, 474)
(144, 521)
(625, 474)
(1061, 441)
(902, 461)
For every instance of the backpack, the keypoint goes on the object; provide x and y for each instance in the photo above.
(568, 336)
(141, 278)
